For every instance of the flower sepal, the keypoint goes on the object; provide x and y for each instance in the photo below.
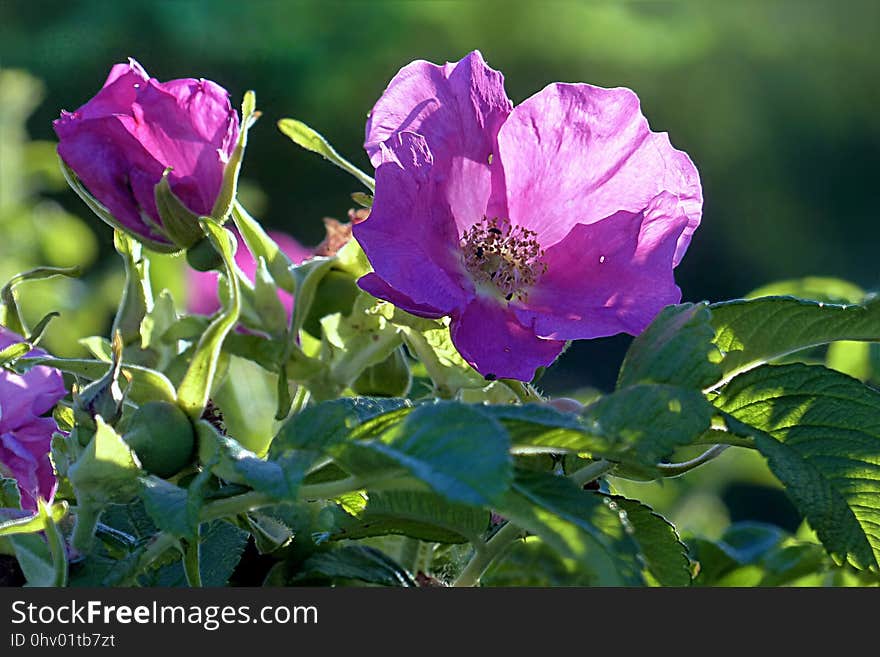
(228, 189)
(180, 223)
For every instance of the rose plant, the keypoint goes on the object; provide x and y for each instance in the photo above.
(369, 410)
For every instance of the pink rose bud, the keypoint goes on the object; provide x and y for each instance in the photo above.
(121, 142)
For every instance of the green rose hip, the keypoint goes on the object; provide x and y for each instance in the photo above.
(162, 436)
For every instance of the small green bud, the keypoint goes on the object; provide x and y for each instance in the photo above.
(335, 294)
(103, 397)
(202, 256)
(162, 436)
(390, 378)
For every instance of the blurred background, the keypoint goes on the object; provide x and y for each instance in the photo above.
(776, 102)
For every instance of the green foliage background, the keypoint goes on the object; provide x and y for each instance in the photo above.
(775, 102)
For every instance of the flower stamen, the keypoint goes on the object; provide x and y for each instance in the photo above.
(505, 256)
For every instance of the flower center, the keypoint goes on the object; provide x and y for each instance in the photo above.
(507, 257)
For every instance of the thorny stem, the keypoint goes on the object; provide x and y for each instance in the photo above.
(232, 506)
(524, 391)
(486, 553)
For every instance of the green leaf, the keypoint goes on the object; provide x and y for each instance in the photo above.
(107, 470)
(457, 451)
(145, 384)
(661, 549)
(815, 288)
(302, 135)
(10, 496)
(196, 385)
(220, 549)
(752, 332)
(532, 562)
(820, 433)
(271, 312)
(356, 562)
(137, 295)
(577, 524)
(168, 506)
(329, 423)
(261, 245)
(158, 321)
(432, 345)
(230, 461)
(425, 516)
(675, 349)
(306, 278)
(35, 559)
(641, 424)
(247, 398)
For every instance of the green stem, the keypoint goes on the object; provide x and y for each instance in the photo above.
(676, 469)
(591, 472)
(485, 554)
(524, 391)
(331, 489)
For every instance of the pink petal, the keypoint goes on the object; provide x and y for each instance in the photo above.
(373, 284)
(611, 276)
(114, 167)
(410, 236)
(489, 337)
(575, 154)
(458, 108)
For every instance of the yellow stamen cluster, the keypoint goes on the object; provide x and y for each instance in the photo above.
(509, 257)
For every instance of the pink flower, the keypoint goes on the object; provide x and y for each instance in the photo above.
(202, 286)
(559, 219)
(122, 140)
(25, 434)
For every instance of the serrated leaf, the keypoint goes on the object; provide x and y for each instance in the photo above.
(816, 288)
(35, 559)
(576, 524)
(532, 562)
(675, 349)
(457, 451)
(820, 433)
(357, 562)
(661, 549)
(425, 516)
(168, 506)
(329, 423)
(755, 331)
(220, 550)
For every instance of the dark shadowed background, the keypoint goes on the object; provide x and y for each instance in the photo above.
(776, 102)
